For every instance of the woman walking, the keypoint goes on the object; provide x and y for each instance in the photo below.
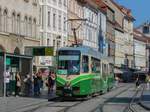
(51, 83)
(18, 84)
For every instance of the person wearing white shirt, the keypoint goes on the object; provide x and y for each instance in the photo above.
(7, 81)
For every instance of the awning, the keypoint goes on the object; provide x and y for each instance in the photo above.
(140, 72)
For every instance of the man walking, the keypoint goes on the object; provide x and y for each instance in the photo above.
(148, 81)
(7, 81)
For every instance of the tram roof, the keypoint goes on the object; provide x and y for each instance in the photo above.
(85, 50)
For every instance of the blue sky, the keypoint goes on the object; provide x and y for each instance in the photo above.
(140, 9)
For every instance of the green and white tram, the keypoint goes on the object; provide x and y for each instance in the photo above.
(81, 71)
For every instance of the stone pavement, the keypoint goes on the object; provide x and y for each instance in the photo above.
(145, 99)
(22, 104)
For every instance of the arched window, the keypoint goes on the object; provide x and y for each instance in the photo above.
(5, 13)
(30, 27)
(0, 19)
(13, 22)
(2, 48)
(34, 27)
(25, 25)
(18, 23)
(17, 50)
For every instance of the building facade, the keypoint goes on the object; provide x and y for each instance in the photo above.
(18, 27)
(120, 38)
(91, 26)
(53, 26)
(140, 51)
(110, 30)
(144, 29)
(75, 11)
(92, 30)
(119, 48)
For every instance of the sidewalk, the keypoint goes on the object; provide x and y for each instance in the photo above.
(145, 99)
(22, 104)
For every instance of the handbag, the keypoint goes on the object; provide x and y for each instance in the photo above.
(18, 83)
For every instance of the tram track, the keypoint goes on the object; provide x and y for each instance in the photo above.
(129, 107)
(65, 106)
(101, 106)
(66, 109)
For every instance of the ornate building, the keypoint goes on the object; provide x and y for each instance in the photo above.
(53, 25)
(18, 27)
(75, 11)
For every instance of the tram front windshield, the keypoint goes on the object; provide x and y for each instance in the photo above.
(69, 62)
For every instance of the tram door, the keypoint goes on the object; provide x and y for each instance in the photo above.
(1, 74)
(104, 71)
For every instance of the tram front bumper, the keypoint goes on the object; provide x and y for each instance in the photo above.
(67, 91)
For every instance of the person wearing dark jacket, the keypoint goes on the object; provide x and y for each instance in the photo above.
(28, 85)
(36, 85)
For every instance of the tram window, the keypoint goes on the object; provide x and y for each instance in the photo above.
(111, 67)
(95, 67)
(85, 64)
(104, 69)
(69, 63)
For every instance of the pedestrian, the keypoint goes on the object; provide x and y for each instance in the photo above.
(28, 85)
(18, 84)
(137, 82)
(7, 81)
(51, 83)
(116, 81)
(39, 81)
(36, 85)
(148, 81)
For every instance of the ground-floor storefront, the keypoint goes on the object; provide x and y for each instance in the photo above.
(14, 63)
(125, 75)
